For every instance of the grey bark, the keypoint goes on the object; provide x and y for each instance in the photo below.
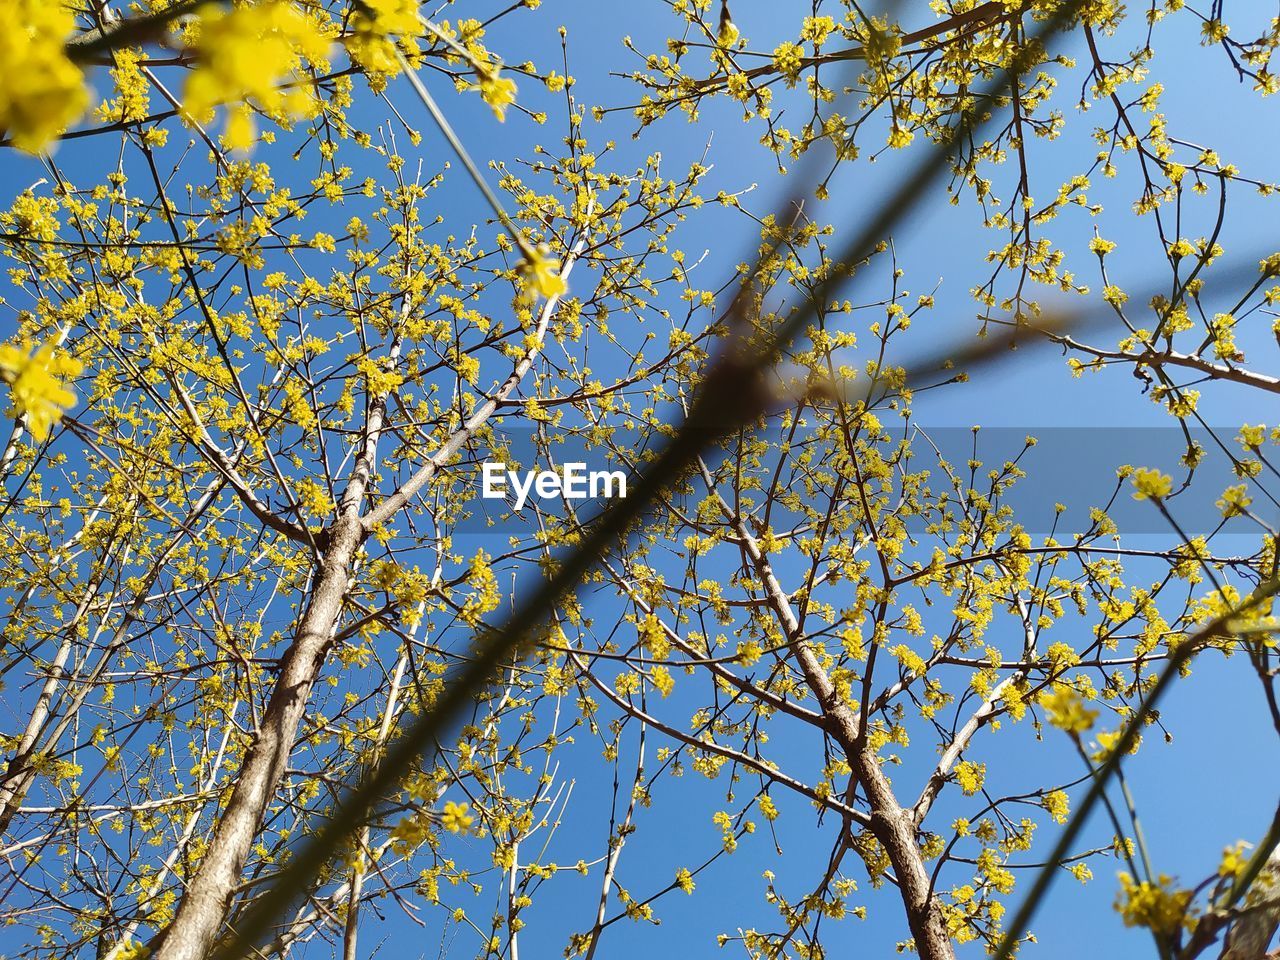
(208, 898)
(891, 824)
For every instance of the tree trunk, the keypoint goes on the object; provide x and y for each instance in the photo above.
(207, 902)
(892, 825)
(895, 828)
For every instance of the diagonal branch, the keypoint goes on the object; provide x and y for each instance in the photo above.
(733, 395)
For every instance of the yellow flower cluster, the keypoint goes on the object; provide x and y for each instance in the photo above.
(788, 58)
(1252, 436)
(35, 383)
(1235, 501)
(410, 833)
(817, 29)
(910, 660)
(970, 776)
(684, 880)
(375, 23)
(1058, 805)
(541, 274)
(313, 498)
(41, 90)
(132, 950)
(486, 595)
(1152, 905)
(242, 54)
(1067, 711)
(456, 817)
(1151, 484)
(133, 100)
(381, 379)
(899, 137)
(496, 90)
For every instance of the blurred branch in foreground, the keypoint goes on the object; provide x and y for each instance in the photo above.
(731, 396)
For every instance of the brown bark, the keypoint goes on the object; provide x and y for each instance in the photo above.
(895, 828)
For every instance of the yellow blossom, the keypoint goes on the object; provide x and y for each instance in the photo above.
(1058, 805)
(497, 91)
(1252, 437)
(1101, 247)
(1235, 860)
(1152, 905)
(899, 138)
(684, 880)
(132, 950)
(788, 58)
(456, 817)
(970, 776)
(817, 29)
(133, 98)
(241, 55)
(1234, 501)
(35, 383)
(910, 660)
(1149, 483)
(1067, 711)
(313, 498)
(541, 274)
(410, 832)
(41, 90)
(375, 22)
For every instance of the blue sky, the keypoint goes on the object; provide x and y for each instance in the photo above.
(1217, 780)
(1215, 783)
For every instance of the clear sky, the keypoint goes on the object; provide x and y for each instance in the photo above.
(1217, 780)
(1214, 783)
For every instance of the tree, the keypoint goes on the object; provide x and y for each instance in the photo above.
(242, 485)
